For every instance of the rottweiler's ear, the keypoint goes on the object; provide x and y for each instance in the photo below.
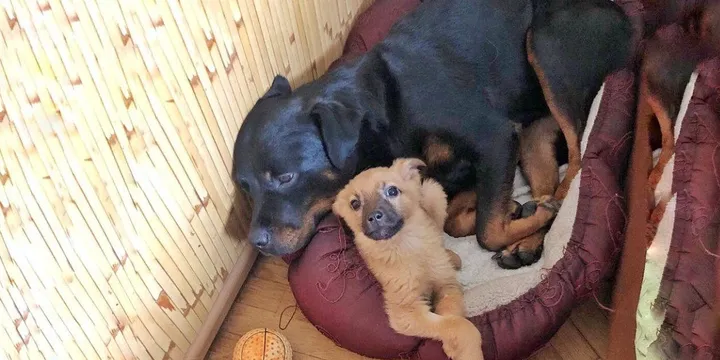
(409, 167)
(340, 130)
(280, 86)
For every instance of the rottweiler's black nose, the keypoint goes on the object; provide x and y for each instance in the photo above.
(260, 238)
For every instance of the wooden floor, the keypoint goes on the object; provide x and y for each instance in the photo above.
(266, 294)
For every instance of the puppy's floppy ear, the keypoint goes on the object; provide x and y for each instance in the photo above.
(340, 131)
(409, 168)
(280, 86)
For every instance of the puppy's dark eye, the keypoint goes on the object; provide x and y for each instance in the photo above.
(392, 191)
(285, 178)
(355, 204)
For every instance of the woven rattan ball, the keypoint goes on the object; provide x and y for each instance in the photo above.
(262, 344)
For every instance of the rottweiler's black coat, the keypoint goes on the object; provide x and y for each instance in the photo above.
(456, 82)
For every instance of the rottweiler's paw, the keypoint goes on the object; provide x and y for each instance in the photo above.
(547, 203)
(528, 209)
(550, 203)
(518, 255)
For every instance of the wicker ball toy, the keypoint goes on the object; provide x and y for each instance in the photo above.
(263, 344)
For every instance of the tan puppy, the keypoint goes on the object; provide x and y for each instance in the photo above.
(397, 219)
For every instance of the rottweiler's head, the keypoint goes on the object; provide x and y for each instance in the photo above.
(378, 202)
(293, 152)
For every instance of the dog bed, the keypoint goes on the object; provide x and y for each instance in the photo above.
(517, 311)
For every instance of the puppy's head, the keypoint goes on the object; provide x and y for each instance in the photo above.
(379, 201)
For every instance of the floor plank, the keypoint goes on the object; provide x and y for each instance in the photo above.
(272, 269)
(261, 293)
(223, 346)
(593, 324)
(301, 356)
(571, 344)
(266, 294)
(546, 353)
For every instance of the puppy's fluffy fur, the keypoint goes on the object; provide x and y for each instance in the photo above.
(397, 218)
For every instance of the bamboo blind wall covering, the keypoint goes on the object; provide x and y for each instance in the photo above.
(117, 123)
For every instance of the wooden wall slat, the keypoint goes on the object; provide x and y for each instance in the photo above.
(120, 222)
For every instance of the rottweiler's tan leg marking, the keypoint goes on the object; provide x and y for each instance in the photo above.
(653, 222)
(501, 232)
(668, 137)
(537, 160)
(537, 157)
(644, 117)
(539, 165)
(461, 215)
(563, 120)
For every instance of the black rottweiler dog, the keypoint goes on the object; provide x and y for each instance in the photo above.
(471, 86)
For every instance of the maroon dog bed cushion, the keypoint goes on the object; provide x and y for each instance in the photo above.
(516, 311)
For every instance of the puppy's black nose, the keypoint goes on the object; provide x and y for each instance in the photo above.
(375, 216)
(260, 238)
(382, 223)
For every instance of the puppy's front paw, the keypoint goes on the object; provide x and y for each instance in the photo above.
(463, 341)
